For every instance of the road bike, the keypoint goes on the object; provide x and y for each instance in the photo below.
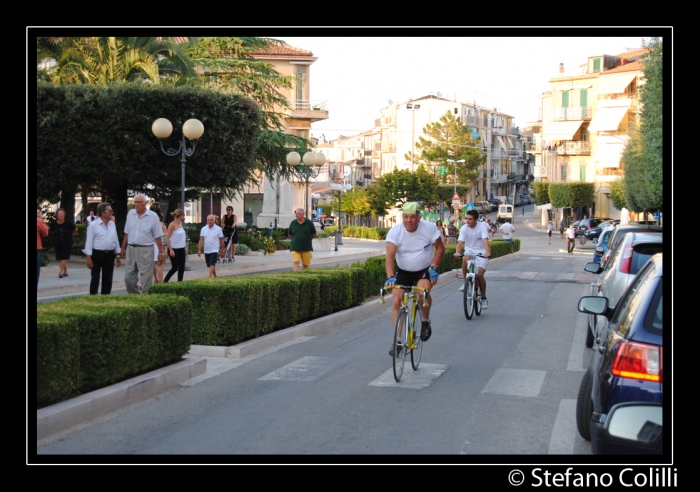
(406, 337)
(472, 292)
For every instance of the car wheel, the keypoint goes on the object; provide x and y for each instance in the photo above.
(584, 406)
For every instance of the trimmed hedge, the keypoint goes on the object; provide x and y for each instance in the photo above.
(86, 343)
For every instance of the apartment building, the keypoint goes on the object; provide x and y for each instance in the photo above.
(586, 116)
(401, 125)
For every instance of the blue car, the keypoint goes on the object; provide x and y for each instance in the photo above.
(603, 241)
(626, 369)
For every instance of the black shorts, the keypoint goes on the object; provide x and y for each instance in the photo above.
(550, 233)
(210, 258)
(410, 278)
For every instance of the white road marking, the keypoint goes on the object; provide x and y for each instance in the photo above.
(307, 369)
(564, 431)
(515, 382)
(424, 377)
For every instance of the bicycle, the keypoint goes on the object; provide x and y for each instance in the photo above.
(472, 293)
(405, 335)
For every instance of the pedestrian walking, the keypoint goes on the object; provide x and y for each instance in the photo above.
(158, 267)
(211, 240)
(561, 228)
(507, 229)
(441, 228)
(101, 249)
(452, 232)
(176, 238)
(231, 231)
(302, 231)
(549, 232)
(90, 218)
(570, 239)
(140, 233)
(42, 230)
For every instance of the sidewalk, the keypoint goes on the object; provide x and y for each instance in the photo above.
(78, 280)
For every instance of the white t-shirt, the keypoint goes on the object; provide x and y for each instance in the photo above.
(414, 250)
(474, 238)
(571, 233)
(507, 230)
(211, 237)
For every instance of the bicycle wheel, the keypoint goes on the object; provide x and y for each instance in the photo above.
(469, 297)
(400, 337)
(477, 300)
(417, 342)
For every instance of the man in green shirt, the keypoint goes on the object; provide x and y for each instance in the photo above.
(302, 231)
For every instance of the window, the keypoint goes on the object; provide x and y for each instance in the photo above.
(583, 173)
(624, 315)
(563, 171)
(565, 99)
(300, 73)
(584, 98)
(596, 64)
(584, 134)
(456, 111)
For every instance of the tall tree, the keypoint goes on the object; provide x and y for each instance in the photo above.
(401, 186)
(449, 138)
(651, 98)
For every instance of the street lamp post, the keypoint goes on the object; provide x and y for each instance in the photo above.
(192, 129)
(340, 188)
(455, 163)
(413, 108)
(306, 172)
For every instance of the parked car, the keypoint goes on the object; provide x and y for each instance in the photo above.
(603, 241)
(626, 369)
(620, 232)
(526, 200)
(494, 202)
(518, 201)
(593, 233)
(505, 211)
(644, 222)
(617, 274)
(588, 224)
(483, 207)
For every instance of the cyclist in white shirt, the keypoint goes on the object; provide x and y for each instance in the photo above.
(474, 240)
(411, 244)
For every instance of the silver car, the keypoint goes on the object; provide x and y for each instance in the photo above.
(630, 254)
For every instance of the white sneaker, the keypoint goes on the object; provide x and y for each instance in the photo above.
(461, 288)
(484, 304)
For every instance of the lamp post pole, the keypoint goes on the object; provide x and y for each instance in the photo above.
(310, 160)
(340, 188)
(455, 163)
(193, 129)
(413, 108)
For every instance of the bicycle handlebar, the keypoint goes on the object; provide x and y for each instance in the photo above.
(407, 288)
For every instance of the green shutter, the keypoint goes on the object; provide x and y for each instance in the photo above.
(584, 98)
(564, 99)
(583, 173)
(596, 65)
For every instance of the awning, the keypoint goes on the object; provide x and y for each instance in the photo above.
(607, 119)
(546, 206)
(614, 83)
(608, 151)
(561, 130)
(500, 141)
(509, 142)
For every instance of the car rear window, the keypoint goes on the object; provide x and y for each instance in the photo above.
(654, 320)
(641, 255)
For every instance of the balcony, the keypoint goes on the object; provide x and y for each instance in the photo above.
(499, 130)
(305, 109)
(571, 114)
(571, 147)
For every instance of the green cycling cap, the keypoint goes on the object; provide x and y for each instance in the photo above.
(411, 208)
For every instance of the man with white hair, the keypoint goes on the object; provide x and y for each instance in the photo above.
(140, 232)
(302, 231)
(211, 238)
(411, 244)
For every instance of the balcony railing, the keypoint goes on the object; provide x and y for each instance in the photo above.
(571, 147)
(622, 95)
(573, 114)
(307, 104)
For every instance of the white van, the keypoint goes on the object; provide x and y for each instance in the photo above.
(505, 211)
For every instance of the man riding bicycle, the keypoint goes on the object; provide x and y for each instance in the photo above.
(474, 240)
(411, 245)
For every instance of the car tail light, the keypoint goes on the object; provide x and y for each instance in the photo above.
(636, 360)
(626, 260)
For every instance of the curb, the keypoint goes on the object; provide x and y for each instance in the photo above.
(65, 414)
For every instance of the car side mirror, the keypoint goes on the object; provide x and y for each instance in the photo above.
(593, 305)
(593, 267)
(637, 423)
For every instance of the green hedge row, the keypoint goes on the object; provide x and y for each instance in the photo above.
(361, 232)
(85, 343)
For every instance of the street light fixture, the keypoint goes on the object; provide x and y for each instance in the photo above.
(192, 129)
(306, 172)
(455, 163)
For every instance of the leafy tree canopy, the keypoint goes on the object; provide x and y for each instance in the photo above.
(401, 186)
(541, 192)
(571, 195)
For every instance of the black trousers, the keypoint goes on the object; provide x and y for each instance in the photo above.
(102, 263)
(178, 265)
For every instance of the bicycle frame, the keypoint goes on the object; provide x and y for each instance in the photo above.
(409, 302)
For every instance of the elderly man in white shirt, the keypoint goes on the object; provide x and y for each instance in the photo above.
(140, 232)
(211, 238)
(101, 248)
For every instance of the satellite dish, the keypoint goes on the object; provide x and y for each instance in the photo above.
(391, 102)
(438, 94)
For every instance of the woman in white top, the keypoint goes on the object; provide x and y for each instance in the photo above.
(177, 242)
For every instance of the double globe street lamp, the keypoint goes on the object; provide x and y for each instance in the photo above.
(306, 170)
(192, 129)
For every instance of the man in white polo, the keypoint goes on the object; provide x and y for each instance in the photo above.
(211, 238)
(140, 232)
(474, 240)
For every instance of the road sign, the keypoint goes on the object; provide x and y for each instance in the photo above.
(456, 206)
(447, 215)
(455, 197)
(323, 216)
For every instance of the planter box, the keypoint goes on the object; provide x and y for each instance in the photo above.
(322, 243)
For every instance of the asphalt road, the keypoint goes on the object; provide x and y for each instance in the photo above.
(504, 383)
